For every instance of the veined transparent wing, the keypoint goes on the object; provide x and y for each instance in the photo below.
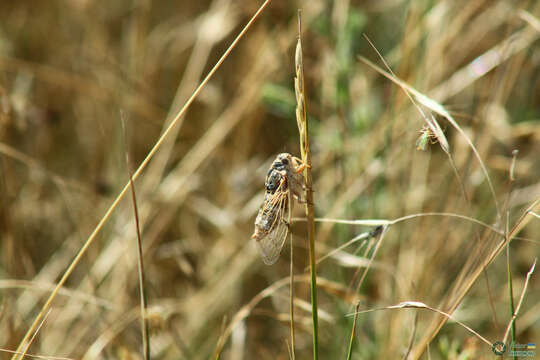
(274, 227)
(271, 245)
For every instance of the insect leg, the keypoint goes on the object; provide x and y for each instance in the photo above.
(302, 165)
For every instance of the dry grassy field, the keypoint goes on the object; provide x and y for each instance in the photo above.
(423, 120)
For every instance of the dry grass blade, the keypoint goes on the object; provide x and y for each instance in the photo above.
(457, 216)
(142, 288)
(421, 305)
(140, 263)
(367, 222)
(35, 334)
(45, 357)
(522, 296)
(141, 167)
(383, 222)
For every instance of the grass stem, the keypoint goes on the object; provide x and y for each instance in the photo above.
(353, 331)
(303, 128)
(291, 285)
(140, 264)
(510, 287)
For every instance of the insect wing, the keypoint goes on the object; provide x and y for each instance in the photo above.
(270, 246)
(272, 242)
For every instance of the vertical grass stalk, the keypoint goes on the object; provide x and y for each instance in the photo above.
(140, 264)
(513, 313)
(303, 128)
(291, 286)
(353, 331)
(510, 287)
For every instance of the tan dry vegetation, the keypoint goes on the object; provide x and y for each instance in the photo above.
(67, 69)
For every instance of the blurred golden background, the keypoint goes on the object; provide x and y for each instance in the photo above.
(70, 71)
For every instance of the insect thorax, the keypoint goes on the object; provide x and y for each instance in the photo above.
(273, 180)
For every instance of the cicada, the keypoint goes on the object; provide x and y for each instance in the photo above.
(284, 181)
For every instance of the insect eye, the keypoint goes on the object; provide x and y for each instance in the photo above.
(285, 161)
